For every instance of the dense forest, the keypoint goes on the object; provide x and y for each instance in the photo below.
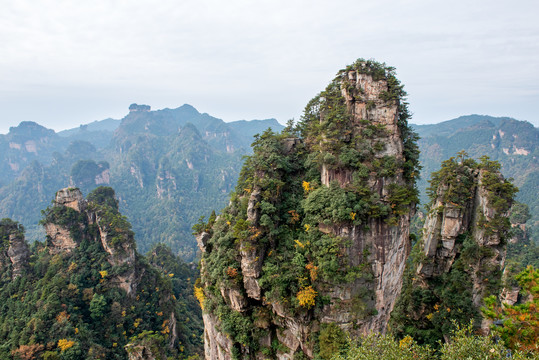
(97, 299)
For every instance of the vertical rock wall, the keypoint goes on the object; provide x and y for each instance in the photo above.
(64, 236)
(388, 244)
(460, 259)
(14, 253)
(315, 240)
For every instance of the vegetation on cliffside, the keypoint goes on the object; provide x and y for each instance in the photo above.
(470, 265)
(272, 252)
(68, 305)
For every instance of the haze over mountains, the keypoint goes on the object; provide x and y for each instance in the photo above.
(514, 143)
(171, 166)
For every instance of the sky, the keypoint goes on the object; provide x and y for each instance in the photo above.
(65, 63)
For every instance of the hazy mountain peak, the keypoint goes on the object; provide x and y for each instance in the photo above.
(30, 129)
(136, 107)
(190, 130)
(188, 107)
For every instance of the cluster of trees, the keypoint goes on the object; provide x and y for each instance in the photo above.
(463, 343)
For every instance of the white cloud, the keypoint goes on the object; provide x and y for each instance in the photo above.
(82, 61)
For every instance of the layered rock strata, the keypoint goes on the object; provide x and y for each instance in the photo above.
(447, 221)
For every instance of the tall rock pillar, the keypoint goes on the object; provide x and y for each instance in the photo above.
(315, 239)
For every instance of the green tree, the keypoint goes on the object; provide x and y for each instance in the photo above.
(98, 306)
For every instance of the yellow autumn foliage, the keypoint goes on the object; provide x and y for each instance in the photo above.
(199, 294)
(65, 344)
(406, 342)
(299, 243)
(306, 297)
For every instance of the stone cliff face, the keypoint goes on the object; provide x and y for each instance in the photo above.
(18, 254)
(387, 242)
(460, 258)
(314, 242)
(60, 235)
(448, 221)
(14, 253)
(65, 233)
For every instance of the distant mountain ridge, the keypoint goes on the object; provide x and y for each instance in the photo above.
(171, 166)
(168, 167)
(448, 126)
(514, 143)
(166, 120)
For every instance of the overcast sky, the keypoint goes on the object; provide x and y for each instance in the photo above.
(64, 63)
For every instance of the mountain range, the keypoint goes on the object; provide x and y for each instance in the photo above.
(169, 167)
(513, 143)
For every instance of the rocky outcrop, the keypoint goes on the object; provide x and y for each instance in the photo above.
(14, 252)
(447, 221)
(18, 254)
(216, 344)
(141, 352)
(66, 231)
(139, 108)
(60, 233)
(320, 222)
(60, 239)
(103, 177)
(71, 198)
(202, 241)
(462, 249)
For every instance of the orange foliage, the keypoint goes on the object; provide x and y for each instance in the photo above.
(255, 232)
(165, 327)
(28, 352)
(62, 317)
(313, 270)
(294, 216)
(232, 272)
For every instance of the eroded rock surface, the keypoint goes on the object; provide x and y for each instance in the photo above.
(14, 252)
(462, 249)
(339, 197)
(65, 231)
